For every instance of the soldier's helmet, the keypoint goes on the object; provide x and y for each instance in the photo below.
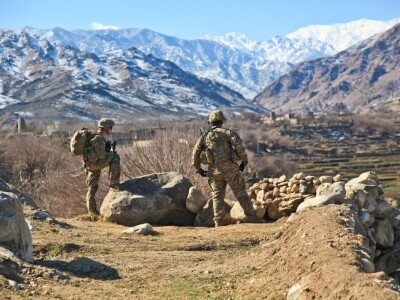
(216, 116)
(105, 123)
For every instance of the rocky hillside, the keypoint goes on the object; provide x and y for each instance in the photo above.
(48, 81)
(243, 64)
(363, 77)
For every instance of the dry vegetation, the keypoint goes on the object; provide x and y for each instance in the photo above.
(43, 168)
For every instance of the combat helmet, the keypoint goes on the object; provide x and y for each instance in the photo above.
(216, 116)
(105, 123)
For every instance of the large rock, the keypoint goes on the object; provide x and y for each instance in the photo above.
(195, 200)
(156, 198)
(316, 201)
(206, 216)
(14, 231)
(237, 212)
(24, 199)
(336, 191)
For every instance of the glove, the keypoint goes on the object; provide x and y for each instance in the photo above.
(203, 173)
(242, 166)
(108, 146)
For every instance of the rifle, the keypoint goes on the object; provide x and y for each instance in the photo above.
(110, 145)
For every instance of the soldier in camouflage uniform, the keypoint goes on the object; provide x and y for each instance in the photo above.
(222, 148)
(99, 157)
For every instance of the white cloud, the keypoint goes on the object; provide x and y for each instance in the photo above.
(99, 26)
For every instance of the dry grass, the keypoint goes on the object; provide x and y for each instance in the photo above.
(44, 169)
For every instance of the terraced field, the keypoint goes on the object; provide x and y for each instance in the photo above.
(334, 151)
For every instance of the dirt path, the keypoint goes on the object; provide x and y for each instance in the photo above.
(94, 260)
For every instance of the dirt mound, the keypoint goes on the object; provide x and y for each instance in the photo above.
(317, 254)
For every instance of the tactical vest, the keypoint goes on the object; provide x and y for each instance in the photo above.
(218, 147)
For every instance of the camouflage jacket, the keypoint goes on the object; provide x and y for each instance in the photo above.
(97, 149)
(223, 144)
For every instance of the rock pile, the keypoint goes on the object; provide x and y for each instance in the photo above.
(281, 196)
(375, 218)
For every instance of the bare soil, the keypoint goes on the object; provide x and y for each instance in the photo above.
(319, 250)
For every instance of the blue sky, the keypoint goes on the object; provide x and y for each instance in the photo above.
(258, 19)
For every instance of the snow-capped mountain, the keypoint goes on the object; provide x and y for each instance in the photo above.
(56, 81)
(361, 78)
(235, 60)
(343, 36)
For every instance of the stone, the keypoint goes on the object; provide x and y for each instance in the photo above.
(303, 188)
(337, 177)
(366, 218)
(389, 262)
(273, 209)
(205, 218)
(195, 200)
(382, 210)
(315, 201)
(268, 195)
(142, 229)
(289, 206)
(309, 178)
(300, 176)
(282, 179)
(367, 265)
(336, 191)
(14, 231)
(260, 196)
(370, 175)
(158, 198)
(276, 192)
(383, 233)
(326, 179)
(282, 189)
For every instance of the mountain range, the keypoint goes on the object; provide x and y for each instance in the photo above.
(52, 81)
(133, 73)
(361, 78)
(239, 62)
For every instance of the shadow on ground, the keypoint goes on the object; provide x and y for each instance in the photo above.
(82, 267)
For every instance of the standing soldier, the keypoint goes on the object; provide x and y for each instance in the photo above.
(99, 157)
(221, 146)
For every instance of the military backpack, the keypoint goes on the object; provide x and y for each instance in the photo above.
(80, 141)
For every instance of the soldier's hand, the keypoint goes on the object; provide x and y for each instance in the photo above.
(203, 173)
(242, 166)
(108, 146)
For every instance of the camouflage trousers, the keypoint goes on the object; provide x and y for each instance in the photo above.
(219, 176)
(93, 172)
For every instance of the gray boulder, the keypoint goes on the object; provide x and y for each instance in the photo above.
(14, 231)
(158, 198)
(24, 199)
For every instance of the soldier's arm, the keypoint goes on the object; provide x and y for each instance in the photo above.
(99, 146)
(237, 143)
(196, 154)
